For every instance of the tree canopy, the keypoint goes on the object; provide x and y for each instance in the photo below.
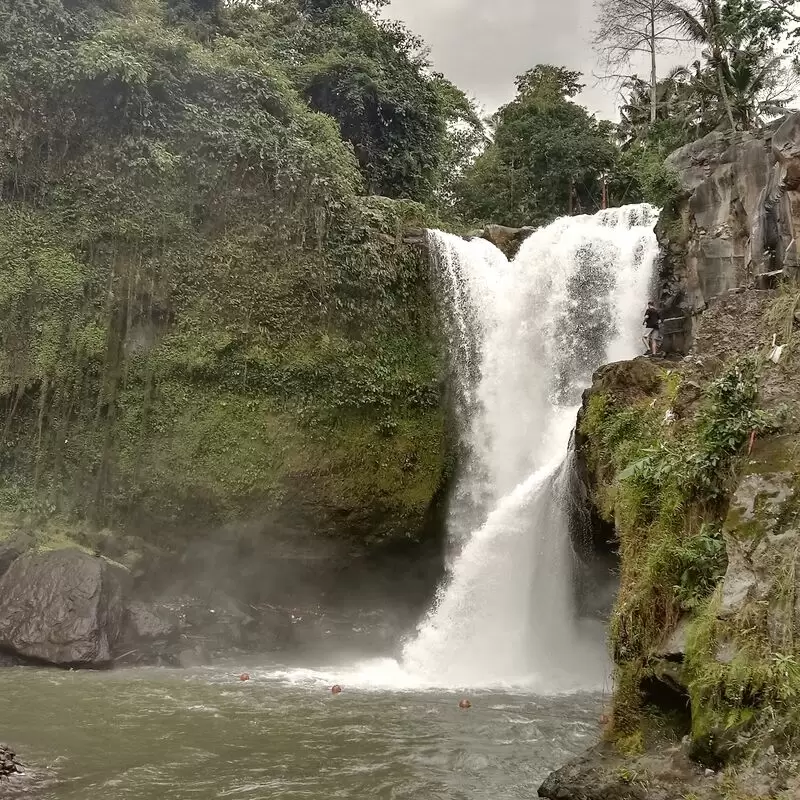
(546, 156)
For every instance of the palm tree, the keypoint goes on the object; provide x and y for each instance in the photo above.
(706, 27)
(674, 100)
(757, 92)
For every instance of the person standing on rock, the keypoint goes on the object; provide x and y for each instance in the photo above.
(652, 325)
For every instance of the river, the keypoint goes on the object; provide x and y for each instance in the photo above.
(160, 734)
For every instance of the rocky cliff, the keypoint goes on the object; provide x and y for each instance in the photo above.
(693, 464)
(736, 221)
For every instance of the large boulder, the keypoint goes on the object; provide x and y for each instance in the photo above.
(61, 607)
(508, 240)
(8, 762)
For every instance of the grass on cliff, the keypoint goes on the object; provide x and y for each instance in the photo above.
(663, 482)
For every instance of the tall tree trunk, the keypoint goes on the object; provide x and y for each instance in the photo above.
(723, 91)
(653, 72)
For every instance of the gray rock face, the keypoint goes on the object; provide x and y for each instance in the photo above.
(740, 217)
(509, 240)
(62, 607)
(149, 622)
(762, 537)
(8, 762)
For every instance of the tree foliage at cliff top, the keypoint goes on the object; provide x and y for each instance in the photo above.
(196, 296)
(546, 158)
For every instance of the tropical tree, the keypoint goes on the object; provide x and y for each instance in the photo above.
(741, 31)
(547, 157)
(628, 29)
(373, 77)
(676, 105)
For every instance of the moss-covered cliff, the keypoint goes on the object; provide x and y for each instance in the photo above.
(695, 464)
(692, 464)
(201, 319)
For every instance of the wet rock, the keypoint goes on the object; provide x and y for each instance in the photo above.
(602, 774)
(196, 656)
(508, 240)
(189, 630)
(147, 622)
(151, 635)
(9, 765)
(61, 607)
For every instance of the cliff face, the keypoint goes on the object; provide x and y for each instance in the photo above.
(694, 465)
(220, 364)
(737, 220)
(201, 319)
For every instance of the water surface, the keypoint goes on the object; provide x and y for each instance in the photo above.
(148, 734)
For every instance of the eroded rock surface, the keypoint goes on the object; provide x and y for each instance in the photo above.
(762, 539)
(739, 218)
(62, 607)
(9, 765)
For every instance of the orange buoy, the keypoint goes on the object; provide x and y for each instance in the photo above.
(244, 676)
(336, 689)
(465, 703)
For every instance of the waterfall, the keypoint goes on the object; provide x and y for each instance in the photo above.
(524, 339)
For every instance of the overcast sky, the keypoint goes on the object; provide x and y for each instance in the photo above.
(481, 45)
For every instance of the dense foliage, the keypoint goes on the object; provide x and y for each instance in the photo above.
(206, 301)
(741, 80)
(546, 157)
(200, 314)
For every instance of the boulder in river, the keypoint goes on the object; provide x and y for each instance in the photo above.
(666, 773)
(8, 762)
(62, 607)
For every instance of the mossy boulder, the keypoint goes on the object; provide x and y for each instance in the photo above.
(686, 470)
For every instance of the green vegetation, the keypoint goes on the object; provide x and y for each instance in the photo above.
(201, 314)
(664, 481)
(546, 157)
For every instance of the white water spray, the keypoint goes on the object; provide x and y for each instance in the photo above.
(525, 337)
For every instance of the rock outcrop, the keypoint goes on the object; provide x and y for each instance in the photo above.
(603, 774)
(762, 540)
(693, 465)
(63, 607)
(738, 219)
(509, 240)
(9, 765)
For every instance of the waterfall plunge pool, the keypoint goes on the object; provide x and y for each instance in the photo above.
(158, 734)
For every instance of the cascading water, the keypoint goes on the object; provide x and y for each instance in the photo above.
(525, 337)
